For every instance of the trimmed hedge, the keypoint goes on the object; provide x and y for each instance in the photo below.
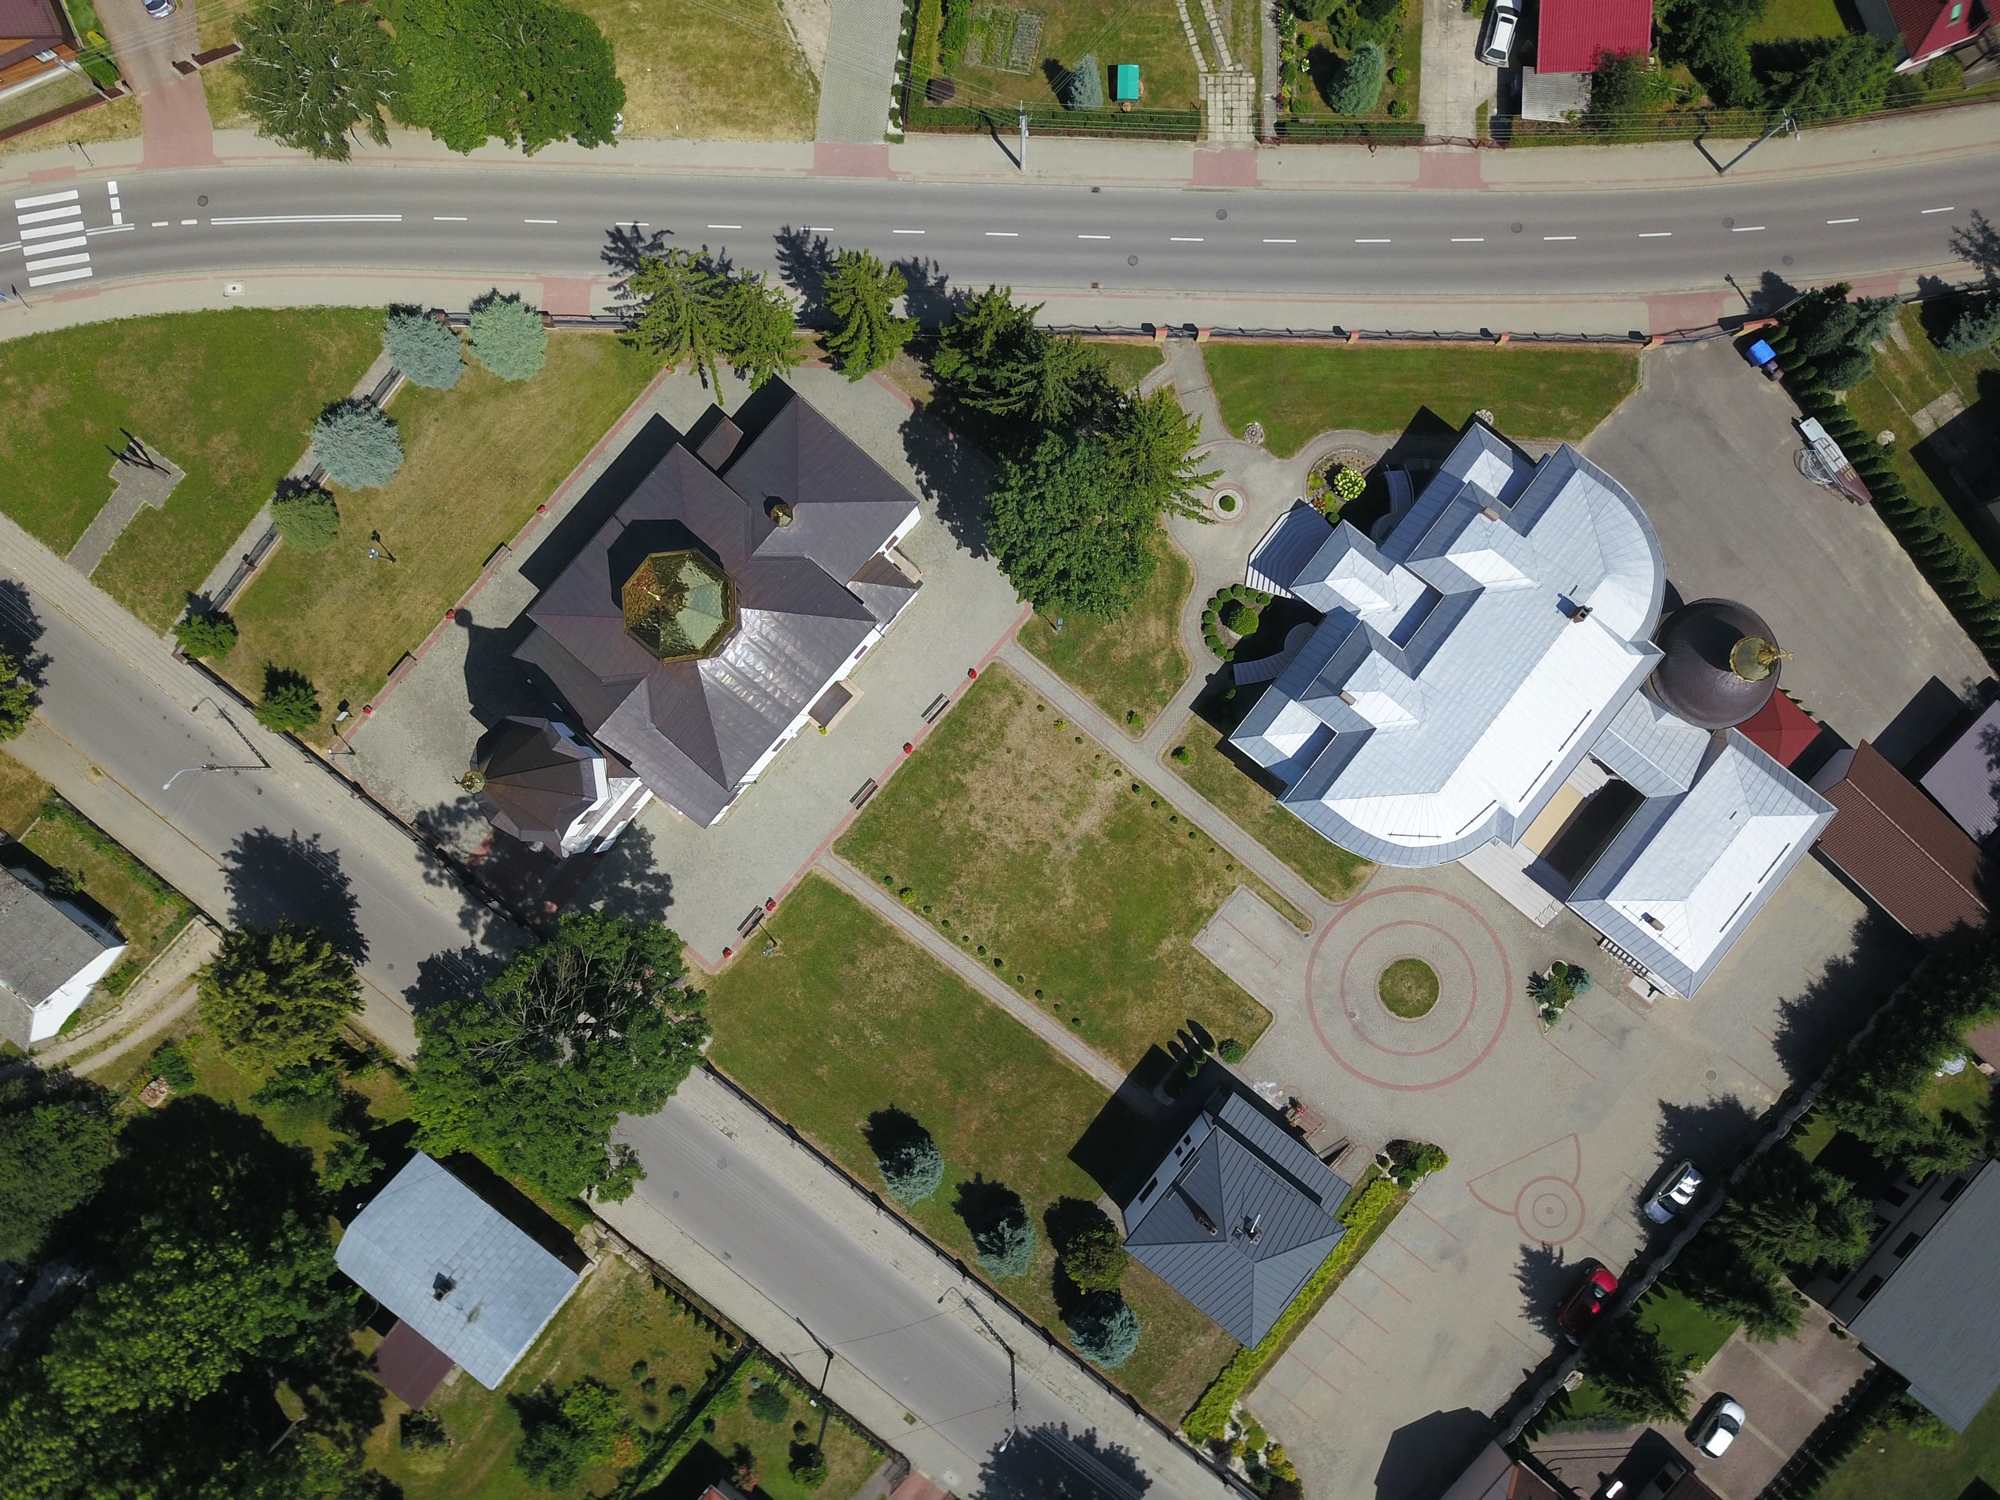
(1209, 1418)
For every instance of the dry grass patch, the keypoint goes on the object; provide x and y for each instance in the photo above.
(708, 69)
(479, 458)
(22, 796)
(1044, 857)
(116, 121)
(1408, 988)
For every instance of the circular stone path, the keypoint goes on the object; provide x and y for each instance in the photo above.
(1475, 988)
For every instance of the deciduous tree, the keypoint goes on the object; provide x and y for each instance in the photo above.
(305, 517)
(532, 1074)
(862, 293)
(277, 997)
(55, 1142)
(526, 72)
(318, 74)
(17, 698)
(1069, 536)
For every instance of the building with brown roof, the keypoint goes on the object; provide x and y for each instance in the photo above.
(1899, 847)
(743, 579)
(539, 782)
(34, 40)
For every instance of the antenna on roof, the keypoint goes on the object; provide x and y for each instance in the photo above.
(1254, 1230)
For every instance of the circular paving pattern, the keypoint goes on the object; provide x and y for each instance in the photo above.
(1549, 1210)
(1475, 988)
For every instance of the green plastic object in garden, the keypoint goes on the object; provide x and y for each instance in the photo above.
(1124, 82)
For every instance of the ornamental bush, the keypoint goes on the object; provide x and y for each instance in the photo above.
(206, 633)
(1007, 1246)
(356, 442)
(1240, 618)
(506, 335)
(1357, 81)
(306, 519)
(807, 1465)
(769, 1403)
(1104, 1329)
(428, 353)
(1088, 1246)
(1974, 326)
(912, 1167)
(1231, 1050)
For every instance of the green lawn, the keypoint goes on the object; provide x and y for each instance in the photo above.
(1692, 1332)
(1300, 390)
(1905, 381)
(1145, 32)
(23, 794)
(1129, 665)
(1405, 50)
(850, 1458)
(1129, 362)
(229, 396)
(708, 69)
(1019, 838)
(614, 1319)
(847, 1018)
(1245, 800)
(479, 458)
(1889, 1466)
(1785, 19)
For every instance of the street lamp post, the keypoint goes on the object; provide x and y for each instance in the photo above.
(1024, 136)
(825, 1408)
(1013, 1381)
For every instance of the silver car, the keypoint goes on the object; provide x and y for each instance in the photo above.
(1675, 1194)
(1496, 39)
(1717, 1430)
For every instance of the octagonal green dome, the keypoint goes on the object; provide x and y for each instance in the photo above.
(679, 605)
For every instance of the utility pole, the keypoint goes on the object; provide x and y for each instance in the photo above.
(1024, 136)
(826, 1409)
(1013, 1380)
(1784, 122)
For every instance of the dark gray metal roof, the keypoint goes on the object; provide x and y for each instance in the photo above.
(692, 730)
(447, 1263)
(1965, 782)
(539, 781)
(1237, 1217)
(42, 946)
(1936, 1321)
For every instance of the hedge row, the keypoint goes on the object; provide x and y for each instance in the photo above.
(1209, 1418)
(1950, 569)
(1315, 129)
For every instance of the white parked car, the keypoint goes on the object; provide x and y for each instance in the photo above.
(1496, 38)
(159, 10)
(1675, 1194)
(1717, 1430)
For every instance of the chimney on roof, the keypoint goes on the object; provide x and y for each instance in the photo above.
(441, 1287)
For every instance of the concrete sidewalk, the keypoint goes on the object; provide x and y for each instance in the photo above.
(1938, 135)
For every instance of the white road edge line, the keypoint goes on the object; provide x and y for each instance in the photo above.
(1843, 221)
(54, 276)
(5, 248)
(1949, 208)
(44, 199)
(1746, 229)
(1003, 234)
(1281, 242)
(1656, 234)
(112, 229)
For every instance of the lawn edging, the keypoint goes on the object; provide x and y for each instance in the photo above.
(1367, 1214)
(892, 1211)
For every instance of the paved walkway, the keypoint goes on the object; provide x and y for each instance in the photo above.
(860, 76)
(173, 109)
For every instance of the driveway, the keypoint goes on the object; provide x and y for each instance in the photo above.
(1706, 445)
(1454, 83)
(1787, 1389)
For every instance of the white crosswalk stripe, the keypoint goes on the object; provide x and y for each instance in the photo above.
(52, 238)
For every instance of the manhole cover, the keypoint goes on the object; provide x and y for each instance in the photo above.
(1222, 213)
(1131, 260)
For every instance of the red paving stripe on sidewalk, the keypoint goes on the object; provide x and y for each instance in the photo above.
(1438, 168)
(1364, 1266)
(836, 159)
(1567, 1058)
(1234, 166)
(1454, 1238)
(1409, 1252)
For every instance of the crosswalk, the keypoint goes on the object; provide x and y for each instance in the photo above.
(53, 239)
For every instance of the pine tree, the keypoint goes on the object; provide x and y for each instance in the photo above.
(862, 293)
(759, 329)
(679, 310)
(317, 73)
(507, 336)
(428, 353)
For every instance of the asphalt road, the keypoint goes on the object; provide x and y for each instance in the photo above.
(545, 221)
(893, 1332)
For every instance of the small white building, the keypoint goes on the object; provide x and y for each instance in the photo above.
(52, 953)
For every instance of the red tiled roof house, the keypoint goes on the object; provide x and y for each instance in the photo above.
(1573, 33)
(1927, 29)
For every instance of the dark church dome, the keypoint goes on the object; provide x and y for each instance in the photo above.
(1721, 663)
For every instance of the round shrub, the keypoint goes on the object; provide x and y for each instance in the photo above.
(912, 1167)
(769, 1403)
(1397, 109)
(1104, 1329)
(1007, 1245)
(427, 352)
(1231, 1050)
(289, 702)
(307, 520)
(1093, 1256)
(807, 1465)
(358, 445)
(506, 335)
(1241, 618)
(1399, 75)
(1357, 81)
(206, 634)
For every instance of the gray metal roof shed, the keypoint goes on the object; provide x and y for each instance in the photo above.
(1237, 1217)
(1936, 1320)
(447, 1263)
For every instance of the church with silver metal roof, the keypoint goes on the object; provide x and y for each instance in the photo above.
(1497, 657)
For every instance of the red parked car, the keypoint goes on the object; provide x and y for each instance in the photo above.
(1576, 1312)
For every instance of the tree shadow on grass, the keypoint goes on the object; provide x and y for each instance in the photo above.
(1111, 1150)
(274, 877)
